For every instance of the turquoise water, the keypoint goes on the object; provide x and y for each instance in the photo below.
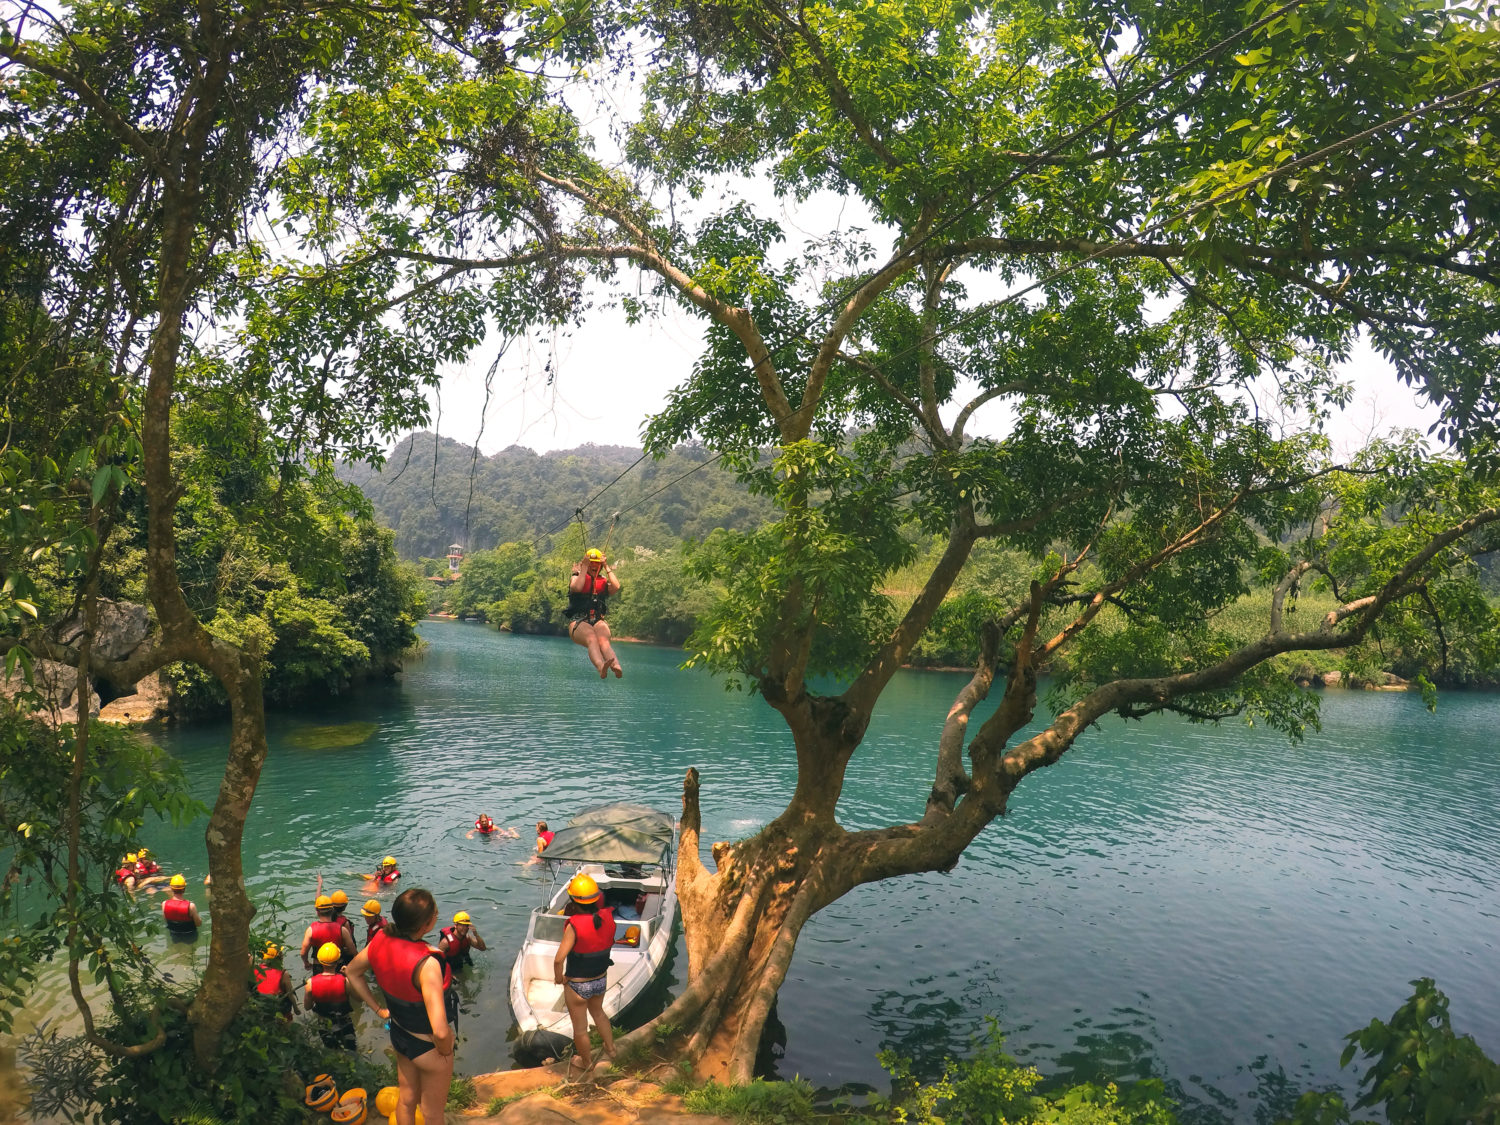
(1209, 906)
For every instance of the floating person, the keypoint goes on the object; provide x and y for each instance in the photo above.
(326, 995)
(130, 876)
(543, 837)
(374, 920)
(180, 914)
(423, 1009)
(457, 940)
(581, 967)
(588, 591)
(271, 979)
(386, 873)
(326, 928)
(145, 865)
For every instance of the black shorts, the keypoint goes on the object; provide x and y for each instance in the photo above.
(407, 1045)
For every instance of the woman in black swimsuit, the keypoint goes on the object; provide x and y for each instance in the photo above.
(588, 591)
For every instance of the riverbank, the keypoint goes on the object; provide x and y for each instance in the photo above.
(541, 1096)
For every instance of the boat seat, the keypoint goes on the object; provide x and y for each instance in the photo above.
(544, 995)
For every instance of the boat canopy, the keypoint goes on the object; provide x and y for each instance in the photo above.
(620, 832)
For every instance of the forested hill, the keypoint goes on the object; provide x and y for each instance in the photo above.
(433, 491)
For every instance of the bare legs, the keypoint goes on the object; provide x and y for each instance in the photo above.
(579, 1011)
(595, 638)
(423, 1081)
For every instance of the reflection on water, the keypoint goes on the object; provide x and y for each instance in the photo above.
(1209, 906)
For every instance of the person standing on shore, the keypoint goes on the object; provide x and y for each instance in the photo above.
(422, 1007)
(582, 967)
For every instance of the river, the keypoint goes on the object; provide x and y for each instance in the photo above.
(1211, 906)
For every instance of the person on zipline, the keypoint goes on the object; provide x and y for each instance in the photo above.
(592, 583)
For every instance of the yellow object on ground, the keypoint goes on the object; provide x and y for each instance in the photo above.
(385, 1101)
(352, 1109)
(392, 1117)
(322, 1093)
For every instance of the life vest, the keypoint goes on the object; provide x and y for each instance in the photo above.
(396, 962)
(179, 915)
(346, 925)
(546, 839)
(124, 873)
(329, 993)
(591, 945)
(458, 945)
(373, 926)
(485, 829)
(326, 929)
(147, 867)
(383, 877)
(589, 603)
(268, 980)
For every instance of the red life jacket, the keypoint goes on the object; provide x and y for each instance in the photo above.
(591, 944)
(396, 962)
(458, 944)
(179, 915)
(485, 829)
(391, 877)
(325, 930)
(268, 980)
(147, 867)
(546, 839)
(330, 991)
(373, 926)
(123, 873)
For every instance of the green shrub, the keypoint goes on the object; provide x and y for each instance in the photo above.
(993, 1089)
(462, 1094)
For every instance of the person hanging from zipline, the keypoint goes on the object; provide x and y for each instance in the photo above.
(589, 588)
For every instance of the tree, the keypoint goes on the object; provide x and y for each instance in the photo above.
(140, 153)
(1135, 228)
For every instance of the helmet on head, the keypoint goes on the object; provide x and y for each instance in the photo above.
(371, 908)
(131, 857)
(322, 902)
(593, 554)
(328, 953)
(461, 918)
(388, 861)
(583, 889)
(273, 952)
(144, 852)
(177, 882)
(339, 898)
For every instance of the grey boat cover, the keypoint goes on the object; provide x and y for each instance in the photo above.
(620, 832)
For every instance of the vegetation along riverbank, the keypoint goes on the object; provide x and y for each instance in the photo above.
(1021, 327)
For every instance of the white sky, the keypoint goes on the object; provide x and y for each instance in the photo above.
(607, 377)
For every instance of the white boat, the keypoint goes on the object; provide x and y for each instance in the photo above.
(630, 850)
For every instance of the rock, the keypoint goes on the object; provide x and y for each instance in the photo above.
(121, 627)
(57, 684)
(1332, 679)
(151, 700)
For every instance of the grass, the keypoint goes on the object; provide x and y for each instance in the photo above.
(757, 1103)
(496, 1104)
(462, 1094)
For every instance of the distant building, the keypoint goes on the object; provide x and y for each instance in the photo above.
(455, 561)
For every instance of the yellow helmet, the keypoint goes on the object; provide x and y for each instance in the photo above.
(131, 857)
(388, 861)
(371, 908)
(177, 882)
(273, 951)
(461, 918)
(583, 889)
(144, 852)
(593, 554)
(328, 953)
(322, 902)
(339, 898)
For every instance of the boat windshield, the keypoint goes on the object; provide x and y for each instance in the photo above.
(620, 833)
(551, 927)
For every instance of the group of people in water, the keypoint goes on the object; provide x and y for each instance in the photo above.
(415, 975)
